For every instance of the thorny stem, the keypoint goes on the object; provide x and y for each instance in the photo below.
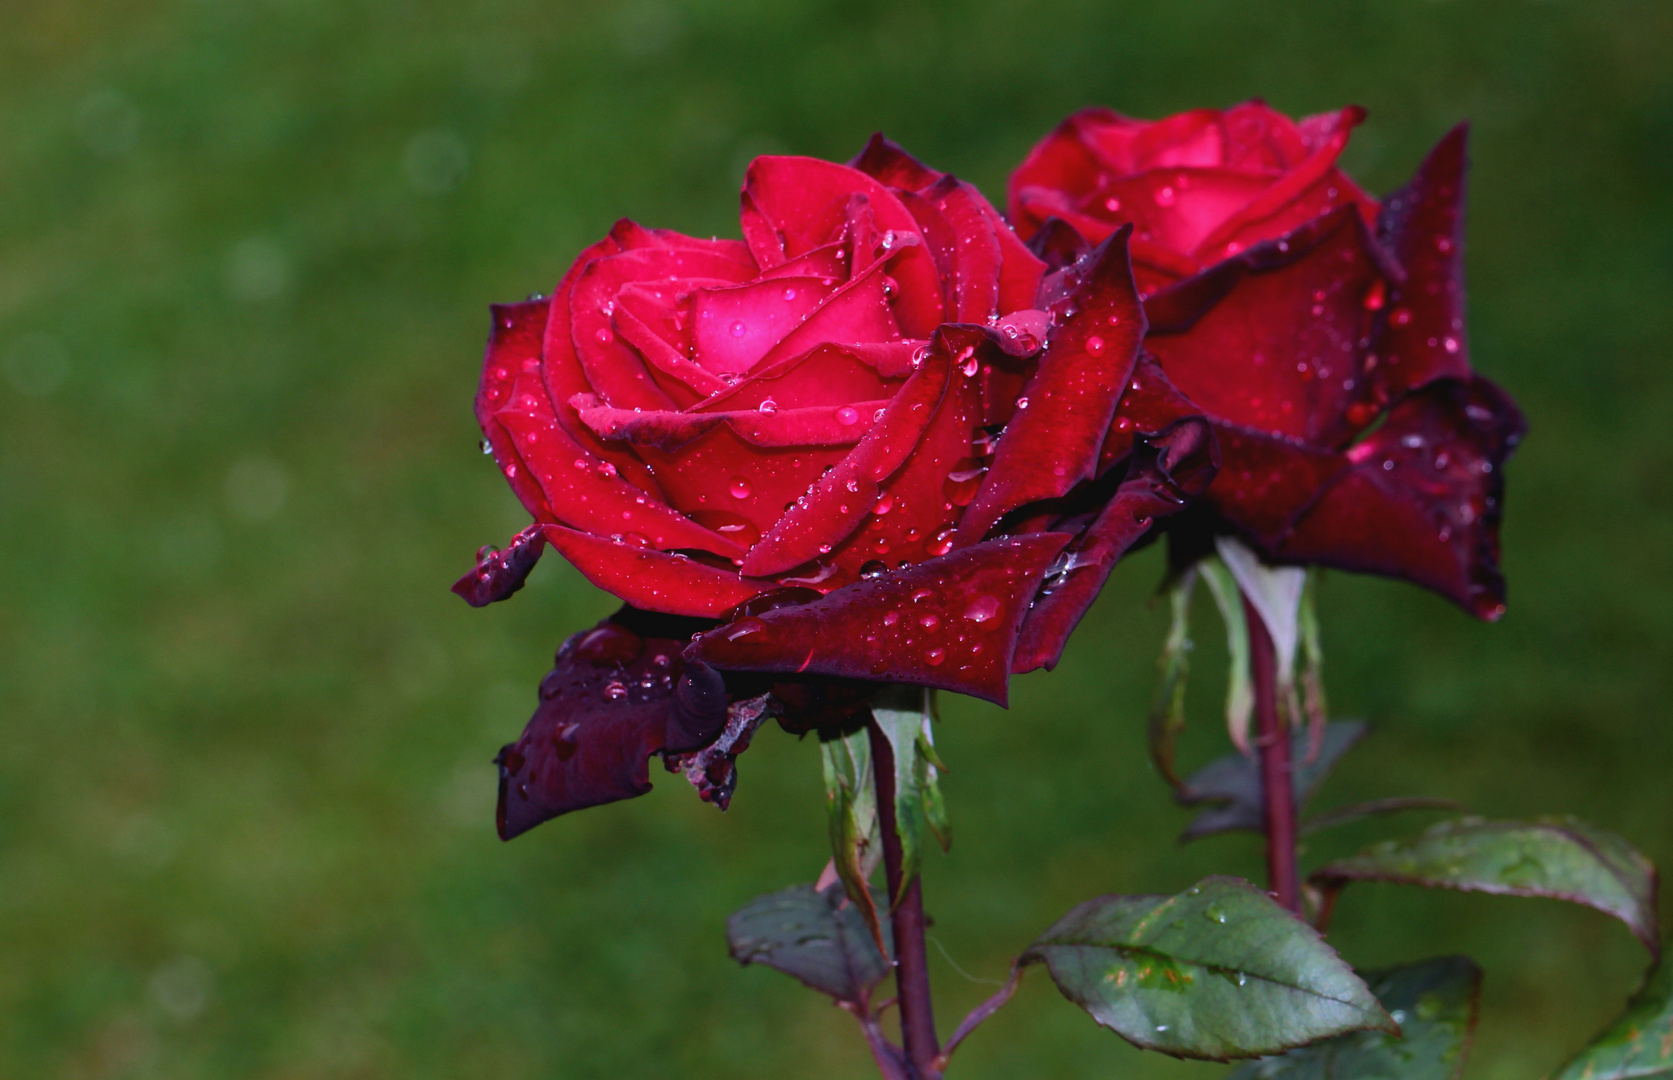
(917, 1015)
(1272, 740)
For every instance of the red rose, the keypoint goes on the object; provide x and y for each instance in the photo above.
(1321, 332)
(853, 445)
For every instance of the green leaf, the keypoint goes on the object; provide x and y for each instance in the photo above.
(930, 769)
(1219, 972)
(1555, 857)
(1240, 691)
(851, 813)
(1234, 781)
(820, 938)
(1640, 1043)
(1435, 1004)
(1167, 708)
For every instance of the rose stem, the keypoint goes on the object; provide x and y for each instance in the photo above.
(1273, 741)
(917, 1015)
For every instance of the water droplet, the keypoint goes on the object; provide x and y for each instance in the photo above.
(1095, 345)
(873, 569)
(740, 488)
(1022, 403)
(1165, 195)
(1214, 913)
(604, 335)
(738, 329)
(487, 447)
(941, 542)
(847, 415)
(891, 618)
(614, 691)
(1451, 344)
(1161, 1027)
(929, 621)
(790, 294)
(768, 406)
(1113, 205)
(745, 628)
(982, 609)
(935, 656)
(1400, 316)
(884, 505)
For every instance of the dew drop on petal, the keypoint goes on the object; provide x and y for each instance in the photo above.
(1095, 345)
(738, 329)
(891, 618)
(982, 609)
(740, 488)
(604, 335)
(614, 691)
(941, 542)
(847, 415)
(1022, 403)
(936, 656)
(745, 628)
(929, 621)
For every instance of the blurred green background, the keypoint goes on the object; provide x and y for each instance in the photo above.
(246, 250)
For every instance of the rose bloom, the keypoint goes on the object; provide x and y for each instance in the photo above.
(1322, 332)
(873, 441)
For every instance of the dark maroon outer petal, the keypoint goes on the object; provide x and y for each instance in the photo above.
(617, 694)
(1266, 481)
(1423, 496)
(949, 622)
(1166, 471)
(498, 574)
(1273, 339)
(1422, 224)
(1053, 444)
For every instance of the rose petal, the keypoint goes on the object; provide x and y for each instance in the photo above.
(513, 347)
(614, 698)
(1272, 339)
(688, 382)
(588, 492)
(1423, 226)
(498, 574)
(1170, 469)
(735, 327)
(793, 204)
(975, 294)
(1058, 244)
(836, 503)
(811, 426)
(1265, 481)
(1423, 496)
(827, 374)
(950, 622)
(1295, 181)
(1149, 404)
(1053, 444)
(653, 580)
(884, 160)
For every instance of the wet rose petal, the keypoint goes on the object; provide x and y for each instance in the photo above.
(498, 574)
(653, 580)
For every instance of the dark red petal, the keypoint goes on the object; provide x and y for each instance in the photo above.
(1273, 339)
(1265, 481)
(1058, 244)
(513, 350)
(817, 425)
(1423, 226)
(498, 574)
(653, 580)
(1168, 470)
(791, 205)
(1052, 444)
(1149, 404)
(827, 374)
(887, 162)
(841, 498)
(1423, 497)
(1061, 162)
(613, 699)
(975, 292)
(950, 622)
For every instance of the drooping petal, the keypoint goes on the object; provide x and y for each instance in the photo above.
(1052, 444)
(498, 574)
(615, 696)
(949, 622)
(1273, 339)
(1423, 496)
(654, 580)
(1168, 470)
(1423, 226)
